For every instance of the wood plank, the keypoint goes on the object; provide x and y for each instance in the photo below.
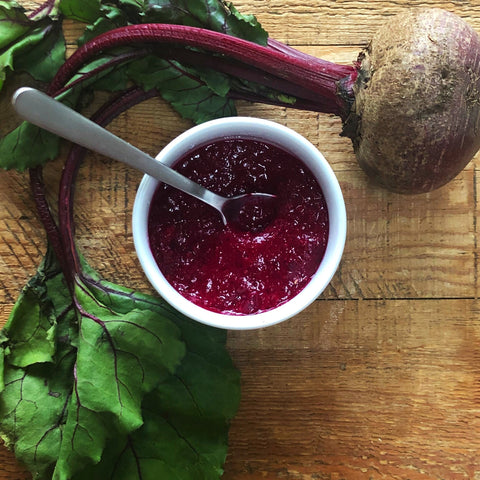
(360, 389)
(345, 22)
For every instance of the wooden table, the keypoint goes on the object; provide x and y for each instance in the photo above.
(380, 377)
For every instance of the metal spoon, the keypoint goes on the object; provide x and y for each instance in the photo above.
(49, 114)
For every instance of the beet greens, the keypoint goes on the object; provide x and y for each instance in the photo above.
(98, 381)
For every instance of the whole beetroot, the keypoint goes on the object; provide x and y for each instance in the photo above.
(415, 120)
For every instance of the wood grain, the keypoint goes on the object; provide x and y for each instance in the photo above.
(360, 389)
(380, 377)
(342, 22)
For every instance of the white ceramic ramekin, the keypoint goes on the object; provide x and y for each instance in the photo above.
(261, 130)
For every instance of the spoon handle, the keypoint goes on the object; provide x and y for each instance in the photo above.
(49, 114)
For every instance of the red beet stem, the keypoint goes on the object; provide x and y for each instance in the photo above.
(43, 9)
(320, 77)
(103, 117)
(54, 237)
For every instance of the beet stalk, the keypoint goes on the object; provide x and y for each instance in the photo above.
(410, 103)
(107, 113)
(305, 73)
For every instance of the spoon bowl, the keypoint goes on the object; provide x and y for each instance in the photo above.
(250, 211)
(49, 114)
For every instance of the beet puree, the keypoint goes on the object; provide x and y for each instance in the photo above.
(228, 269)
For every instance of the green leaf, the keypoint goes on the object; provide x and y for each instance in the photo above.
(189, 448)
(211, 14)
(14, 23)
(186, 417)
(206, 383)
(34, 399)
(103, 74)
(110, 17)
(32, 410)
(86, 11)
(27, 146)
(84, 437)
(197, 102)
(44, 53)
(217, 82)
(2, 367)
(130, 354)
(245, 26)
(29, 334)
(38, 41)
(191, 96)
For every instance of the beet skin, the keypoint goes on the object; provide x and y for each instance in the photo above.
(415, 121)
